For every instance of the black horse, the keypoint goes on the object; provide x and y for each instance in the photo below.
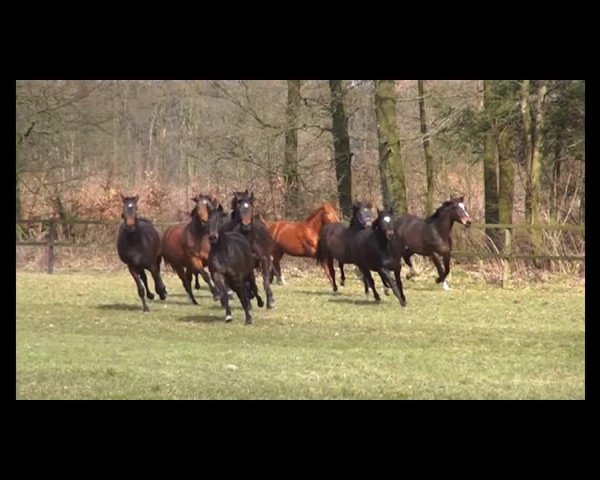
(432, 236)
(231, 263)
(139, 246)
(376, 249)
(335, 242)
(244, 222)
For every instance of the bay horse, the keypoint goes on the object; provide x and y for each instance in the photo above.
(335, 241)
(299, 239)
(244, 222)
(138, 246)
(186, 247)
(375, 249)
(231, 263)
(432, 236)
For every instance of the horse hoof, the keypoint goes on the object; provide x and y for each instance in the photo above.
(438, 280)
(445, 286)
(248, 322)
(260, 302)
(378, 299)
(197, 287)
(216, 298)
(146, 310)
(403, 303)
(230, 294)
(163, 296)
(342, 282)
(270, 305)
(228, 318)
(150, 295)
(386, 291)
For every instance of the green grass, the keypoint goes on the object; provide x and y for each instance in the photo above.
(83, 336)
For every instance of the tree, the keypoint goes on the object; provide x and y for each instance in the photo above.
(290, 164)
(341, 147)
(390, 161)
(429, 171)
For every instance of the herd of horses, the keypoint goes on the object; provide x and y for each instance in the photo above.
(227, 249)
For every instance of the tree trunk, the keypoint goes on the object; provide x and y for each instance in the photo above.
(290, 162)
(490, 166)
(536, 155)
(390, 161)
(426, 148)
(526, 114)
(341, 147)
(506, 181)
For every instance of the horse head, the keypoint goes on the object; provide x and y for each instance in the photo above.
(129, 213)
(203, 205)
(384, 223)
(361, 214)
(242, 208)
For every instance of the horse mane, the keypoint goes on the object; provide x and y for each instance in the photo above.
(438, 212)
(316, 211)
(144, 219)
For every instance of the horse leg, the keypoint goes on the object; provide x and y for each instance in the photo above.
(367, 274)
(342, 275)
(254, 289)
(219, 280)
(412, 272)
(211, 285)
(240, 289)
(186, 283)
(438, 265)
(277, 267)
(386, 285)
(140, 287)
(399, 281)
(331, 273)
(265, 269)
(197, 284)
(383, 273)
(149, 294)
(159, 286)
(446, 258)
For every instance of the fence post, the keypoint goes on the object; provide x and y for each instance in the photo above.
(505, 259)
(51, 239)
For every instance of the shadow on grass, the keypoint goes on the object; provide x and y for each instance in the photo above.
(355, 301)
(317, 292)
(203, 318)
(121, 306)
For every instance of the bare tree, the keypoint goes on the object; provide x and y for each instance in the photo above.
(341, 147)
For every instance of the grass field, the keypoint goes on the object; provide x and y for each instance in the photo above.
(83, 336)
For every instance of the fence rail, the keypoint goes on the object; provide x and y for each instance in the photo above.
(506, 256)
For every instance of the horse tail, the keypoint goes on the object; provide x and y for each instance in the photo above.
(320, 255)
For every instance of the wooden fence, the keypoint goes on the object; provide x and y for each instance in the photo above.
(506, 255)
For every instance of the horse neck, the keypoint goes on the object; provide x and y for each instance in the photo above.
(443, 225)
(355, 226)
(316, 221)
(198, 227)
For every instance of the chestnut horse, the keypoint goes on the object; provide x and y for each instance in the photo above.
(299, 239)
(186, 247)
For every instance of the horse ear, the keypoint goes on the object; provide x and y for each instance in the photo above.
(251, 196)
(220, 208)
(194, 198)
(124, 198)
(136, 198)
(391, 210)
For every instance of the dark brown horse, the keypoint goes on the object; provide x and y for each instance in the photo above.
(432, 236)
(335, 242)
(299, 239)
(376, 249)
(244, 222)
(138, 245)
(186, 247)
(231, 263)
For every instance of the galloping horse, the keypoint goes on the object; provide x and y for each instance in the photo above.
(138, 245)
(186, 248)
(244, 222)
(335, 242)
(377, 249)
(231, 263)
(432, 236)
(299, 239)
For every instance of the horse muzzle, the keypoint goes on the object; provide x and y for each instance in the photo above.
(467, 223)
(213, 239)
